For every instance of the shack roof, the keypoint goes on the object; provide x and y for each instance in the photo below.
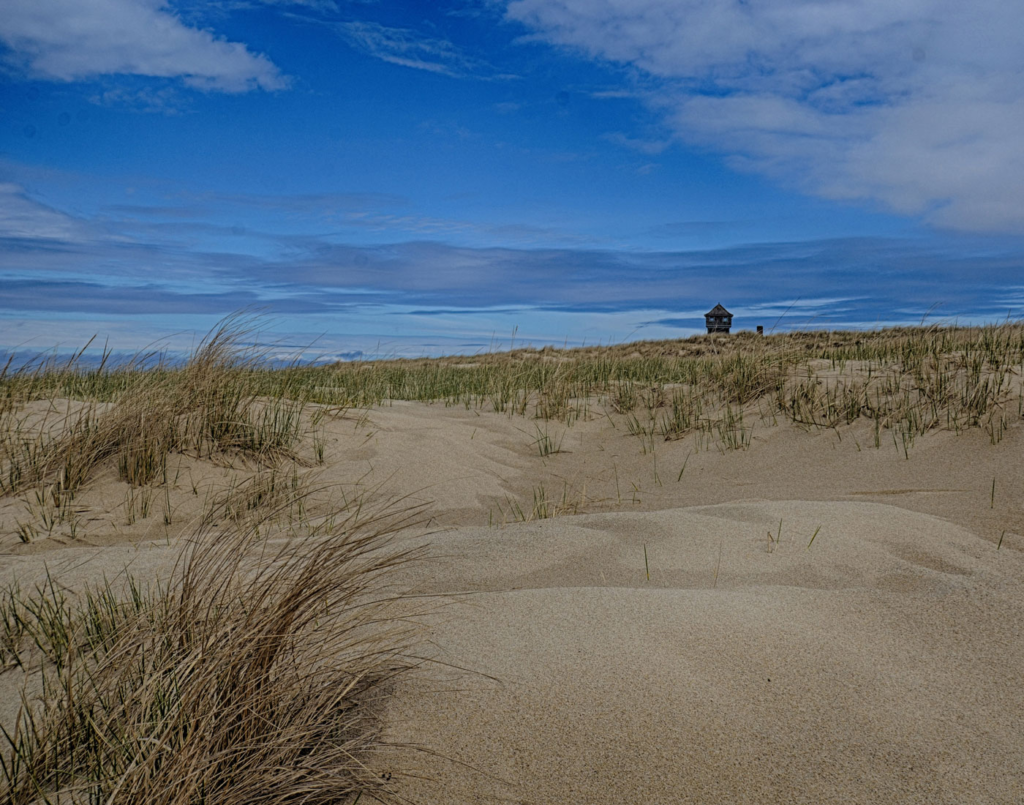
(718, 310)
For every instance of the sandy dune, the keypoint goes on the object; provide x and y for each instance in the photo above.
(882, 663)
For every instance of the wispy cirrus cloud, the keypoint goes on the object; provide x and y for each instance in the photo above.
(164, 100)
(913, 104)
(897, 282)
(22, 217)
(71, 40)
(151, 260)
(410, 48)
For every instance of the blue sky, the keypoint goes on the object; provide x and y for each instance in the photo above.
(419, 178)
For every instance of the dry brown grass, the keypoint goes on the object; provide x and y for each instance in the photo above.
(256, 671)
(205, 408)
(254, 676)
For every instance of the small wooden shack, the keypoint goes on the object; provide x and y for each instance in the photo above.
(718, 320)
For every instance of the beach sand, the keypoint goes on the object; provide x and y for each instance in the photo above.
(673, 634)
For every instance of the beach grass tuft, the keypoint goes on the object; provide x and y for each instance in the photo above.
(255, 674)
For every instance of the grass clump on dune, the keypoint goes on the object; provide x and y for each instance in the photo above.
(134, 418)
(254, 676)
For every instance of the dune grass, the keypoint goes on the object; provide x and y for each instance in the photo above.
(254, 675)
(906, 379)
(61, 425)
(256, 671)
(544, 505)
(134, 418)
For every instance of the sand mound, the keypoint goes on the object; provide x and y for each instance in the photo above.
(881, 664)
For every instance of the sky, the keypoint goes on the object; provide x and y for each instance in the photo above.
(382, 179)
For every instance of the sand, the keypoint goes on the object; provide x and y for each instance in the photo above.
(883, 664)
(880, 663)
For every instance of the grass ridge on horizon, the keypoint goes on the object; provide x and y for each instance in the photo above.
(908, 379)
(61, 425)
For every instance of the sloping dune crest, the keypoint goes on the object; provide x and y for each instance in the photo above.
(881, 664)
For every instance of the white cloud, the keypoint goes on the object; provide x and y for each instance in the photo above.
(407, 48)
(21, 217)
(917, 104)
(68, 40)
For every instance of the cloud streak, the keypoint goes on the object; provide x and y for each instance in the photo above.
(914, 104)
(311, 274)
(21, 217)
(73, 40)
(442, 297)
(408, 48)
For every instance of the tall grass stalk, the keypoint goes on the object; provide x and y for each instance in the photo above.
(254, 676)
